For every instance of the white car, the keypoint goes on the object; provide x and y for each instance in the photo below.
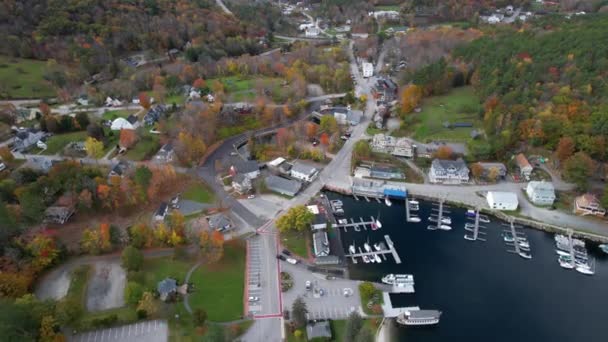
(291, 261)
(254, 299)
(2, 166)
(308, 285)
(251, 197)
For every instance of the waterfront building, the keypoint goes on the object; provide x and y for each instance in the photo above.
(588, 204)
(320, 220)
(541, 193)
(320, 244)
(282, 185)
(449, 171)
(304, 172)
(502, 200)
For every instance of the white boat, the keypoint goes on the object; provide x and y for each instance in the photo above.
(377, 257)
(585, 270)
(414, 207)
(565, 264)
(431, 227)
(445, 227)
(470, 213)
(419, 317)
(351, 249)
(444, 219)
(524, 244)
(484, 219)
(392, 279)
(377, 246)
(525, 255)
(365, 259)
(342, 221)
(508, 238)
(378, 223)
(413, 202)
(470, 238)
(387, 201)
(367, 247)
(414, 219)
(604, 247)
(562, 253)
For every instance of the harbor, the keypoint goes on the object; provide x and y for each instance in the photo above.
(380, 250)
(479, 282)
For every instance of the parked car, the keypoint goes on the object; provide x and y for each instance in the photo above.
(254, 299)
(344, 137)
(251, 197)
(286, 252)
(292, 261)
(308, 285)
(281, 257)
(234, 154)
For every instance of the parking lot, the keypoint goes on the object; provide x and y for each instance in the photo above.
(148, 331)
(327, 299)
(254, 269)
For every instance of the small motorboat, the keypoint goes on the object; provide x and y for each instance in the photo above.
(523, 244)
(565, 264)
(585, 270)
(444, 219)
(377, 246)
(378, 223)
(431, 227)
(445, 227)
(377, 258)
(470, 213)
(562, 253)
(366, 259)
(414, 219)
(387, 201)
(342, 221)
(351, 249)
(367, 247)
(375, 226)
(525, 255)
(604, 247)
(508, 238)
(484, 219)
(413, 202)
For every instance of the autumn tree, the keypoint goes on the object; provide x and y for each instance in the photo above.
(190, 148)
(284, 137)
(477, 170)
(311, 130)
(132, 258)
(493, 174)
(91, 241)
(44, 251)
(144, 100)
(6, 154)
(328, 124)
(211, 245)
(49, 330)
(324, 139)
(299, 312)
(148, 304)
(565, 148)
(14, 285)
(128, 138)
(141, 235)
(45, 109)
(297, 218)
(133, 292)
(578, 168)
(444, 152)
(94, 148)
(410, 98)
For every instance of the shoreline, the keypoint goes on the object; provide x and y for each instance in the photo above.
(386, 332)
(503, 216)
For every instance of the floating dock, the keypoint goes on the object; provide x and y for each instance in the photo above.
(382, 252)
(392, 312)
(357, 225)
(474, 228)
(519, 250)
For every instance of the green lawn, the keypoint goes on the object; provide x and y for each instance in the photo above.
(234, 84)
(56, 143)
(199, 193)
(23, 78)
(113, 114)
(250, 123)
(178, 99)
(145, 148)
(78, 284)
(295, 242)
(460, 105)
(386, 8)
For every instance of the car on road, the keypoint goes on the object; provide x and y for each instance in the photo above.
(348, 292)
(251, 197)
(321, 292)
(308, 285)
(292, 261)
(254, 299)
(234, 154)
(286, 252)
(344, 137)
(281, 257)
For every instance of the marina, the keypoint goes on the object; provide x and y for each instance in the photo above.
(475, 228)
(441, 222)
(372, 224)
(370, 253)
(514, 237)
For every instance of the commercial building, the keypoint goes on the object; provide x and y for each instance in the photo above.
(449, 171)
(502, 200)
(368, 69)
(320, 244)
(304, 172)
(541, 193)
(282, 185)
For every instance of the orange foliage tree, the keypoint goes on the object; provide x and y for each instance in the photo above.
(565, 148)
(311, 130)
(144, 100)
(410, 98)
(128, 138)
(444, 152)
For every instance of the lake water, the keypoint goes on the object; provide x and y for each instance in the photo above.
(485, 293)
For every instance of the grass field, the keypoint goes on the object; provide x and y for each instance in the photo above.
(233, 84)
(114, 114)
(56, 143)
(249, 124)
(296, 242)
(23, 78)
(199, 193)
(460, 105)
(145, 147)
(386, 8)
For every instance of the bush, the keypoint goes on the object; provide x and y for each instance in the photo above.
(104, 321)
(132, 258)
(133, 292)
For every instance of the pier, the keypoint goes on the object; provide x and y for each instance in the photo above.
(408, 216)
(358, 225)
(441, 209)
(382, 252)
(518, 239)
(474, 228)
(390, 311)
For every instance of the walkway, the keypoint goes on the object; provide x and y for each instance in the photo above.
(186, 281)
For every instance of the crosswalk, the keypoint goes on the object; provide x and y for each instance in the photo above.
(254, 269)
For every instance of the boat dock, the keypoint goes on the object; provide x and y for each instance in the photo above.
(518, 237)
(408, 216)
(390, 311)
(382, 252)
(474, 229)
(358, 225)
(440, 209)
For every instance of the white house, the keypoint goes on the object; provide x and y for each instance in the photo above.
(541, 193)
(121, 123)
(449, 171)
(320, 220)
(502, 200)
(312, 31)
(304, 172)
(368, 69)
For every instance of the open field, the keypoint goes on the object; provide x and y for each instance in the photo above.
(23, 78)
(198, 193)
(461, 105)
(296, 242)
(250, 123)
(145, 148)
(56, 143)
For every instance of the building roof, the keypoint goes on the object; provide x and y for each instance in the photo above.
(119, 168)
(167, 286)
(303, 168)
(522, 161)
(245, 166)
(240, 178)
(283, 185)
(132, 119)
(276, 162)
(503, 196)
(541, 186)
(120, 123)
(219, 220)
(587, 200)
(445, 164)
(318, 330)
(162, 209)
(354, 116)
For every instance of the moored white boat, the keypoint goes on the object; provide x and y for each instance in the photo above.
(367, 247)
(378, 223)
(585, 270)
(366, 259)
(351, 249)
(414, 219)
(391, 279)
(419, 317)
(445, 227)
(566, 264)
(444, 219)
(377, 258)
(387, 201)
(470, 213)
(525, 255)
(604, 247)
(377, 246)
(559, 252)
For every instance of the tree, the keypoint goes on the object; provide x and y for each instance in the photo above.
(91, 241)
(578, 169)
(444, 152)
(132, 258)
(353, 326)
(68, 310)
(144, 100)
(361, 150)
(133, 293)
(493, 174)
(212, 245)
(565, 148)
(284, 137)
(324, 139)
(6, 154)
(410, 98)
(128, 138)
(367, 289)
(94, 148)
(298, 312)
(297, 218)
(141, 235)
(200, 317)
(14, 285)
(82, 118)
(44, 251)
(199, 84)
(477, 170)
(328, 124)
(31, 202)
(95, 131)
(17, 322)
(48, 330)
(311, 130)
(148, 304)
(298, 334)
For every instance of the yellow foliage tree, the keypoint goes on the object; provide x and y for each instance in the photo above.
(94, 148)
(410, 98)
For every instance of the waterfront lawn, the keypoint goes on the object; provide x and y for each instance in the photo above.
(374, 298)
(296, 242)
(23, 78)
(460, 105)
(386, 8)
(219, 287)
(338, 328)
(199, 192)
(56, 143)
(114, 114)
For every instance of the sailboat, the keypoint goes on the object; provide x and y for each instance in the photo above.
(387, 201)
(377, 257)
(351, 248)
(367, 247)
(377, 223)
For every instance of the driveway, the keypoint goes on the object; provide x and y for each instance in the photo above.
(333, 304)
(265, 206)
(147, 331)
(106, 287)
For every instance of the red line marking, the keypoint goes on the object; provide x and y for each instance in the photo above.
(268, 316)
(279, 277)
(246, 299)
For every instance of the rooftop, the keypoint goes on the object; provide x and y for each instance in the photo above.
(318, 330)
(303, 168)
(283, 185)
